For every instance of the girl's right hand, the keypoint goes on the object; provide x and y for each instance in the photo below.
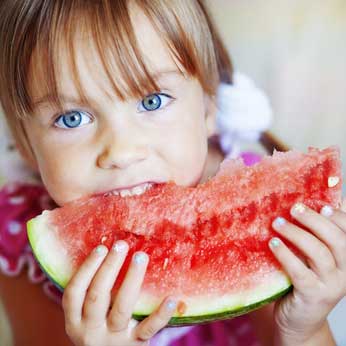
(89, 319)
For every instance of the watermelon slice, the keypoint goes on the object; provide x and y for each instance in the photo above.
(207, 244)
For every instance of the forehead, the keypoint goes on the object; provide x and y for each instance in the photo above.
(89, 64)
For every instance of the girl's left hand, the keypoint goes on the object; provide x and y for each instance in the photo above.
(319, 280)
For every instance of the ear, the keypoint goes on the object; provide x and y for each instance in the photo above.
(210, 115)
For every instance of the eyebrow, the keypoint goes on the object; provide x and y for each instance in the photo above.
(66, 98)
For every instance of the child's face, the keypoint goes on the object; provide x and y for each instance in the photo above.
(113, 144)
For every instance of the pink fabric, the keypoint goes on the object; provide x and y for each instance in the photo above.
(250, 158)
(235, 332)
(18, 204)
(21, 202)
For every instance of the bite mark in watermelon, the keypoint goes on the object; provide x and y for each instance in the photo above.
(207, 244)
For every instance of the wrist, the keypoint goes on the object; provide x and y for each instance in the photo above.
(322, 337)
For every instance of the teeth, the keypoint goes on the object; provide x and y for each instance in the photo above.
(138, 190)
(135, 191)
(124, 193)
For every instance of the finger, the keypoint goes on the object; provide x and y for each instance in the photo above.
(132, 325)
(339, 219)
(319, 257)
(336, 216)
(128, 292)
(74, 293)
(156, 321)
(301, 277)
(98, 297)
(324, 229)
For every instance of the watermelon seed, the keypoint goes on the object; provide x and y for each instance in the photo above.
(165, 263)
(298, 208)
(333, 181)
(103, 239)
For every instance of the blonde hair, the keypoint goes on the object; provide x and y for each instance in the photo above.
(28, 27)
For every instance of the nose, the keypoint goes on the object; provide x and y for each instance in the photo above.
(122, 150)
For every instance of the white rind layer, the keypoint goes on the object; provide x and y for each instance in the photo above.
(273, 283)
(54, 262)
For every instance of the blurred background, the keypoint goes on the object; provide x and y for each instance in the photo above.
(296, 51)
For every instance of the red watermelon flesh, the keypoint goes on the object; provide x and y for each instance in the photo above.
(207, 244)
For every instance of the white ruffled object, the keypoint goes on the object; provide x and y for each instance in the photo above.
(244, 113)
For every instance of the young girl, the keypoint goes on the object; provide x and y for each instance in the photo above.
(138, 80)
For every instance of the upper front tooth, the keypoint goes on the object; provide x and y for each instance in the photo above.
(124, 193)
(137, 190)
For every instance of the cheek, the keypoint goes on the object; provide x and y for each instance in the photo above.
(56, 176)
(193, 160)
(186, 148)
(62, 174)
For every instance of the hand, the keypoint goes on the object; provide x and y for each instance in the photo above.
(90, 321)
(319, 277)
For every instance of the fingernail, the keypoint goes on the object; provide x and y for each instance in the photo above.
(120, 246)
(327, 211)
(274, 242)
(181, 308)
(101, 250)
(279, 222)
(140, 258)
(171, 304)
(298, 208)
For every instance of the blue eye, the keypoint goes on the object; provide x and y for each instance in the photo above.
(71, 119)
(153, 102)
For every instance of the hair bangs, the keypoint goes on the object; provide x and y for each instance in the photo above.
(112, 35)
(35, 34)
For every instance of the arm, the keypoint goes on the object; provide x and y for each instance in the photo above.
(262, 322)
(270, 336)
(323, 337)
(5, 328)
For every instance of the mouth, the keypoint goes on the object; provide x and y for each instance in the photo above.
(134, 190)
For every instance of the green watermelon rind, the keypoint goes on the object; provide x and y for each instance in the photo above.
(40, 240)
(241, 310)
(273, 285)
(274, 288)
